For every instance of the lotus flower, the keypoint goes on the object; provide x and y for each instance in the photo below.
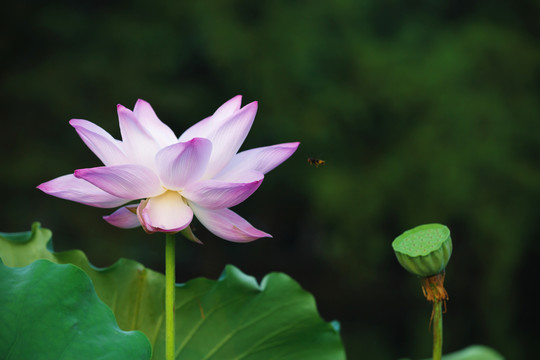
(200, 173)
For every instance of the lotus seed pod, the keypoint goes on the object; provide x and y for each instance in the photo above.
(424, 250)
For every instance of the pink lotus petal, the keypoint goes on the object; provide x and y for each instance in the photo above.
(263, 159)
(208, 126)
(139, 146)
(229, 137)
(106, 148)
(165, 213)
(161, 133)
(227, 225)
(183, 163)
(227, 109)
(216, 194)
(129, 182)
(71, 188)
(125, 217)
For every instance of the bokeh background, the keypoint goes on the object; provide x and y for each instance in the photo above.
(424, 112)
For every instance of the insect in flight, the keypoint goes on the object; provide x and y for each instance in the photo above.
(316, 162)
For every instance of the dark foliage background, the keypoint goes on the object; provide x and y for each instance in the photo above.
(424, 112)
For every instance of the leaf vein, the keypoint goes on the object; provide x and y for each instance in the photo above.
(245, 325)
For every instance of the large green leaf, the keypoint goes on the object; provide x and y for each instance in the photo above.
(51, 311)
(233, 317)
(473, 352)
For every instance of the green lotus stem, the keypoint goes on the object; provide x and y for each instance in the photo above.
(169, 296)
(425, 251)
(437, 330)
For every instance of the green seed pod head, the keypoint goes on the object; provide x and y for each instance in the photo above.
(424, 250)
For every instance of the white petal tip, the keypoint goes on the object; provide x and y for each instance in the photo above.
(122, 108)
(245, 234)
(253, 104)
(236, 98)
(141, 102)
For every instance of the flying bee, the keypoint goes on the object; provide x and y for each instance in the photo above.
(314, 161)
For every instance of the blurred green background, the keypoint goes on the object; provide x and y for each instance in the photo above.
(424, 112)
